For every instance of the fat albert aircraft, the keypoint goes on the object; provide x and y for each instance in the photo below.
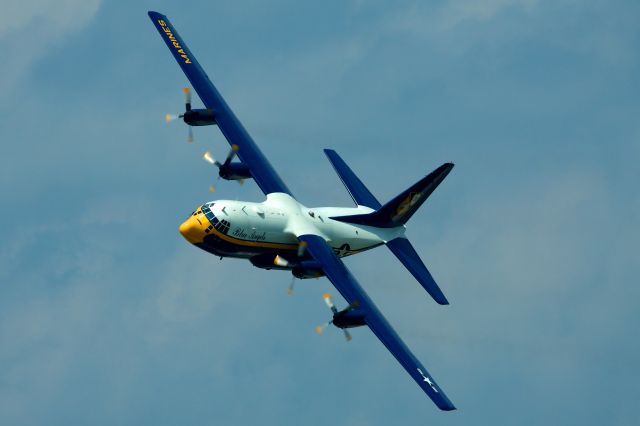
(281, 233)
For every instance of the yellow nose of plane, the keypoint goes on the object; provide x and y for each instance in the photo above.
(192, 230)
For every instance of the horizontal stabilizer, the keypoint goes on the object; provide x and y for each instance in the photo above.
(405, 252)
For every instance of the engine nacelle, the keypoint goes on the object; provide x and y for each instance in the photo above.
(349, 318)
(265, 261)
(199, 117)
(301, 269)
(307, 269)
(235, 171)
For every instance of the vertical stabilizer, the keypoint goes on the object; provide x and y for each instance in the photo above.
(400, 209)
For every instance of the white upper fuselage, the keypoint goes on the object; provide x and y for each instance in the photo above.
(244, 229)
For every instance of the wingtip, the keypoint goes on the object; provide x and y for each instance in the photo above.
(444, 404)
(439, 297)
(153, 14)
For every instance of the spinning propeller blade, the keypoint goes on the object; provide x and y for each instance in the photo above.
(280, 261)
(347, 335)
(208, 157)
(212, 188)
(187, 104)
(232, 153)
(290, 289)
(334, 310)
(321, 327)
(170, 117)
(329, 302)
(187, 98)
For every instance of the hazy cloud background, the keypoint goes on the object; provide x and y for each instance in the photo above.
(107, 316)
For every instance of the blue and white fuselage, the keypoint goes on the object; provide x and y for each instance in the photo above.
(243, 229)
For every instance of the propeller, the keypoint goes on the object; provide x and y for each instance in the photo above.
(334, 310)
(187, 98)
(208, 157)
(282, 262)
(290, 289)
(187, 103)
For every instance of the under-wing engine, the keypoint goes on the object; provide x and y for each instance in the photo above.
(347, 318)
(228, 169)
(193, 116)
(300, 267)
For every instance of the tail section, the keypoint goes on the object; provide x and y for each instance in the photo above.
(395, 213)
(400, 209)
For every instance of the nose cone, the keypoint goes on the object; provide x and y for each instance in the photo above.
(192, 230)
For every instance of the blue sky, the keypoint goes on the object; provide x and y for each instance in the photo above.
(107, 316)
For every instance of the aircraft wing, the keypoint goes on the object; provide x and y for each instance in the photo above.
(248, 152)
(347, 285)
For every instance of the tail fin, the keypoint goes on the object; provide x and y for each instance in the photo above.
(395, 213)
(400, 209)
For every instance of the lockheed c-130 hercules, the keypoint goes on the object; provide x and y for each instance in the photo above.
(281, 233)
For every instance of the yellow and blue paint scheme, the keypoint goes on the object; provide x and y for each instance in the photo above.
(228, 232)
(268, 232)
(242, 229)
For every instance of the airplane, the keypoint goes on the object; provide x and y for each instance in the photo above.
(281, 233)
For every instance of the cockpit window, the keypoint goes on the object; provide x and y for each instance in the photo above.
(220, 225)
(223, 226)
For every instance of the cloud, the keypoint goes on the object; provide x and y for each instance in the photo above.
(458, 12)
(429, 21)
(583, 28)
(30, 29)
